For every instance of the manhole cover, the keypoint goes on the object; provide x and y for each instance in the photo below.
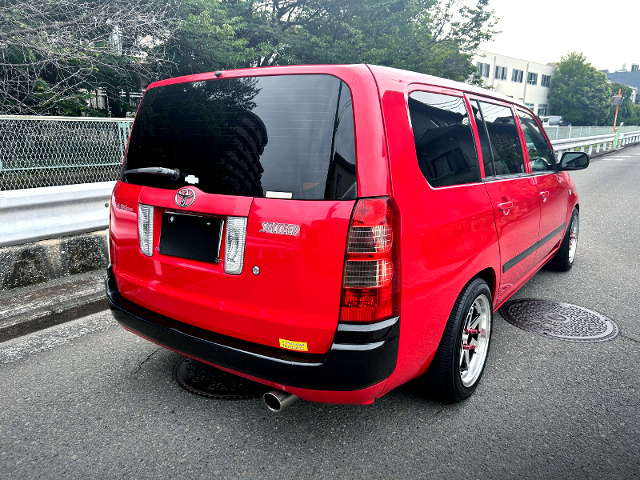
(559, 320)
(211, 382)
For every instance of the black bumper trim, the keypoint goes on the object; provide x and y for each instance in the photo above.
(521, 256)
(338, 370)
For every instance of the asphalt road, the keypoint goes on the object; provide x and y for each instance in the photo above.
(89, 400)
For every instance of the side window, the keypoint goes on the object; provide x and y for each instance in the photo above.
(541, 156)
(443, 138)
(504, 139)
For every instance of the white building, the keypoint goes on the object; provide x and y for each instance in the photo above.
(522, 80)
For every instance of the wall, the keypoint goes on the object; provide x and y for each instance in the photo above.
(523, 92)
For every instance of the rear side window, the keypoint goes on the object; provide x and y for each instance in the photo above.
(541, 157)
(288, 136)
(443, 138)
(504, 139)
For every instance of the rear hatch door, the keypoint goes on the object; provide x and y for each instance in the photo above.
(275, 152)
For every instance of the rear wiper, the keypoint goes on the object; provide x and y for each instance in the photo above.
(173, 173)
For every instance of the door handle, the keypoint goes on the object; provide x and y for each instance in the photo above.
(505, 207)
(544, 195)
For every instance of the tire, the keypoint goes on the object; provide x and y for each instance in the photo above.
(566, 255)
(456, 370)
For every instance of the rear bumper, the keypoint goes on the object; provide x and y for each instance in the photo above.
(360, 357)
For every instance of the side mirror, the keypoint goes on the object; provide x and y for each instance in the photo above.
(574, 161)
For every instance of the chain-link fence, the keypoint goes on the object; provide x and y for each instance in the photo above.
(49, 151)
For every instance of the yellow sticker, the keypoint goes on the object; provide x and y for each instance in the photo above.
(291, 345)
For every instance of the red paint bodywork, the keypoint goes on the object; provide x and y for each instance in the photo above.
(447, 236)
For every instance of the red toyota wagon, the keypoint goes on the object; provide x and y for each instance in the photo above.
(334, 231)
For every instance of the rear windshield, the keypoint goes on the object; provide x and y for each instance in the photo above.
(288, 136)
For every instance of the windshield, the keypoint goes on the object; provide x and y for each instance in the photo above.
(287, 136)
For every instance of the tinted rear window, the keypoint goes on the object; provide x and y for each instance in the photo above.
(288, 136)
(443, 138)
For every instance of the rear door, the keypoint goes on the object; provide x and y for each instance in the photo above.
(268, 160)
(513, 192)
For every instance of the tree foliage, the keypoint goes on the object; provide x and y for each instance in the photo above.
(427, 36)
(579, 92)
(54, 54)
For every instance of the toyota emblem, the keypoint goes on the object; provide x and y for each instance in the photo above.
(185, 197)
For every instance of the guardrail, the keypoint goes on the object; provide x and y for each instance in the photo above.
(50, 212)
(597, 142)
(560, 133)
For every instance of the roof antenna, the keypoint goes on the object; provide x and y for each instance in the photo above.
(218, 74)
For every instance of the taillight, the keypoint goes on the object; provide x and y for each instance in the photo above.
(109, 235)
(370, 283)
(145, 228)
(234, 245)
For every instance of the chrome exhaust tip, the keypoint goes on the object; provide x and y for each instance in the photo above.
(276, 400)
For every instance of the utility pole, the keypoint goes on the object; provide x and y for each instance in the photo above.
(617, 101)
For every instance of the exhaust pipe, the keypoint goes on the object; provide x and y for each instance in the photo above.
(276, 400)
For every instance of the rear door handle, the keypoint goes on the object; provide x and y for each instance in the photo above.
(544, 194)
(505, 206)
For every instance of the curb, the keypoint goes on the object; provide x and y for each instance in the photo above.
(29, 309)
(46, 260)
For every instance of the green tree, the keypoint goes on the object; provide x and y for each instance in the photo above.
(428, 36)
(209, 36)
(579, 92)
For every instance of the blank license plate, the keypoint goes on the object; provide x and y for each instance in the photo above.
(190, 236)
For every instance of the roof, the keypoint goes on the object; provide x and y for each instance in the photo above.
(344, 72)
(631, 79)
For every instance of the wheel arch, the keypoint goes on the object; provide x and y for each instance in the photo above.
(489, 276)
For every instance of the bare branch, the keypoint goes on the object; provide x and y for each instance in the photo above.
(51, 52)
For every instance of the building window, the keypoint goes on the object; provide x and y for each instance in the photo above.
(516, 76)
(530, 106)
(532, 78)
(545, 81)
(501, 73)
(483, 68)
(542, 109)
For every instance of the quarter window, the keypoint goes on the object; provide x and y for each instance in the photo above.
(504, 140)
(443, 139)
(541, 156)
(516, 76)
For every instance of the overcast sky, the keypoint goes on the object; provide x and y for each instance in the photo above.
(607, 32)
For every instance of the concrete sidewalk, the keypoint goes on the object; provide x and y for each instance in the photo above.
(28, 309)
